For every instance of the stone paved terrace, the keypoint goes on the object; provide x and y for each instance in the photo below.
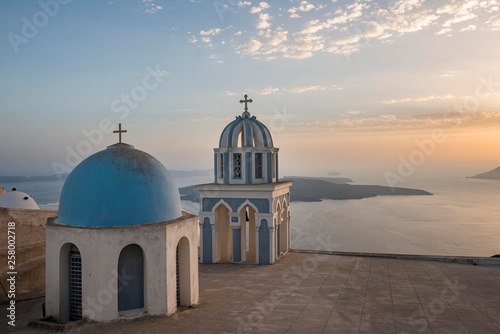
(313, 293)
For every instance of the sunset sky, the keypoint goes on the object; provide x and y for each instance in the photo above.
(341, 84)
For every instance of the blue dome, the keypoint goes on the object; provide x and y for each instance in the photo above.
(119, 186)
(254, 133)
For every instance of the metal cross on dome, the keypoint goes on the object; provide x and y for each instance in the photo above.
(119, 131)
(246, 101)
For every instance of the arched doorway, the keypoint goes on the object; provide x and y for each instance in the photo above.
(70, 281)
(264, 243)
(207, 241)
(278, 230)
(183, 273)
(131, 278)
(248, 234)
(284, 230)
(223, 235)
(75, 284)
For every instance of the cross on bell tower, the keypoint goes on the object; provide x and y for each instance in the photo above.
(119, 131)
(246, 101)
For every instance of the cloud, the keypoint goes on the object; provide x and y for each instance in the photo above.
(275, 38)
(462, 11)
(448, 74)
(264, 21)
(269, 90)
(469, 28)
(393, 122)
(160, 73)
(229, 93)
(253, 45)
(444, 31)
(259, 8)
(206, 37)
(211, 32)
(151, 7)
(300, 55)
(420, 99)
(353, 112)
(303, 7)
(308, 43)
(286, 90)
(297, 89)
(304, 89)
(403, 6)
(242, 4)
(345, 28)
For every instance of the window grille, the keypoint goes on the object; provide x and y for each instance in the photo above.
(75, 285)
(258, 165)
(221, 165)
(237, 165)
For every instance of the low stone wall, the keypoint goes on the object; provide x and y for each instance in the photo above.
(30, 251)
(485, 261)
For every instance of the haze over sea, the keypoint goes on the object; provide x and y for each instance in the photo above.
(462, 218)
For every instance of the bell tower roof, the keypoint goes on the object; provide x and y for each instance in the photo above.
(246, 131)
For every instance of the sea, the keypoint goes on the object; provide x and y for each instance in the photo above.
(461, 218)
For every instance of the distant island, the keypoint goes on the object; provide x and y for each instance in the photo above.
(312, 189)
(55, 177)
(58, 177)
(491, 175)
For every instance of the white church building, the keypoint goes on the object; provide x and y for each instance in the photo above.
(17, 200)
(121, 244)
(245, 213)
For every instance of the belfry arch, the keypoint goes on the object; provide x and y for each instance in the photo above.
(248, 234)
(223, 235)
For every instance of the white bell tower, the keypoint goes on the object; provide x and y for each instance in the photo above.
(245, 213)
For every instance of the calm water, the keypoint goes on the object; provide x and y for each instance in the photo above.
(45, 193)
(461, 218)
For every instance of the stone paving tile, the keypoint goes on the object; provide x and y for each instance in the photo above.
(377, 327)
(311, 322)
(339, 330)
(288, 310)
(315, 311)
(351, 324)
(442, 326)
(269, 328)
(480, 327)
(412, 328)
(298, 329)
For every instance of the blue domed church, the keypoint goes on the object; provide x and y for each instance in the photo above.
(245, 213)
(121, 244)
